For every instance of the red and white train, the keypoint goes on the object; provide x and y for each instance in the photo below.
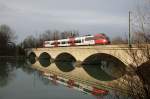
(98, 39)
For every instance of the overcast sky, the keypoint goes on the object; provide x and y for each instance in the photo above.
(27, 17)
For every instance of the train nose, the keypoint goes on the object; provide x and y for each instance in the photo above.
(106, 41)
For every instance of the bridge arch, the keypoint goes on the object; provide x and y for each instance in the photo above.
(44, 55)
(65, 62)
(31, 55)
(65, 57)
(95, 58)
(44, 59)
(45, 62)
(104, 67)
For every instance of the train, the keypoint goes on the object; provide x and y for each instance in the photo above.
(97, 39)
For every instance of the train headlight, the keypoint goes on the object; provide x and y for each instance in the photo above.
(104, 40)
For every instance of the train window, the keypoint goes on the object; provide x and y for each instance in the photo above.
(98, 37)
(54, 43)
(63, 42)
(89, 38)
(77, 41)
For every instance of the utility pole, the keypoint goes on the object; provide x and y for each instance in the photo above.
(129, 39)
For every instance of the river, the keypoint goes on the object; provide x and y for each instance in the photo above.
(19, 80)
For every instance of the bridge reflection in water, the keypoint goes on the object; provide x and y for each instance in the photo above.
(97, 76)
(104, 67)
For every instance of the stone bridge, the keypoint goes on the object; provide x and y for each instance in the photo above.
(91, 54)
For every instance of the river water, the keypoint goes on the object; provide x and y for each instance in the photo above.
(19, 80)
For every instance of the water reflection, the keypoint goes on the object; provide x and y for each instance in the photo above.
(100, 66)
(65, 66)
(65, 62)
(104, 70)
(31, 60)
(87, 89)
(45, 62)
(115, 69)
(7, 69)
(104, 67)
(24, 66)
(6, 73)
(18, 77)
(32, 57)
(95, 73)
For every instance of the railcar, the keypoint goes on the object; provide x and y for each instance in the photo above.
(98, 39)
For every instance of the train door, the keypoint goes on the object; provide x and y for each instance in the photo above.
(72, 41)
(56, 43)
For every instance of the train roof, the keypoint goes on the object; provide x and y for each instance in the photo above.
(85, 36)
(100, 34)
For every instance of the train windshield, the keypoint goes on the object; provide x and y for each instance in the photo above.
(99, 37)
(89, 38)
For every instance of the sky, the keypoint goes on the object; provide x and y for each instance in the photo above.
(28, 17)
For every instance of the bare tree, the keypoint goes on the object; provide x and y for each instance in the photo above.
(56, 35)
(137, 78)
(119, 40)
(29, 42)
(67, 34)
(7, 37)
